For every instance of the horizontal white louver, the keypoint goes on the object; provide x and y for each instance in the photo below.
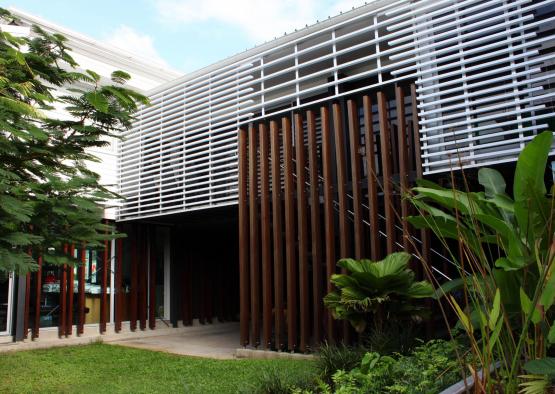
(484, 71)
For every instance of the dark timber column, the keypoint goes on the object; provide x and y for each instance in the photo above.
(118, 286)
(302, 223)
(143, 272)
(152, 281)
(370, 146)
(26, 303)
(277, 232)
(424, 234)
(243, 239)
(134, 280)
(290, 235)
(81, 299)
(254, 236)
(344, 228)
(315, 226)
(38, 289)
(63, 298)
(386, 172)
(403, 163)
(327, 163)
(354, 138)
(104, 286)
(266, 237)
(70, 294)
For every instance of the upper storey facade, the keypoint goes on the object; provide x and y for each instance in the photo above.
(483, 69)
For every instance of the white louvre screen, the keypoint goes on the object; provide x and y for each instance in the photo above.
(484, 72)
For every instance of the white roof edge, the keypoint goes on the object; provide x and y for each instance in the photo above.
(118, 55)
(297, 34)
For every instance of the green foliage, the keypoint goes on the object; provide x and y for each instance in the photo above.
(48, 197)
(429, 368)
(332, 358)
(504, 253)
(274, 381)
(381, 291)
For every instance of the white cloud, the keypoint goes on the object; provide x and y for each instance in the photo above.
(127, 38)
(260, 20)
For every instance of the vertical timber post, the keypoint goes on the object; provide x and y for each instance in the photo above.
(277, 232)
(329, 226)
(266, 237)
(254, 236)
(243, 240)
(290, 266)
(302, 224)
(315, 226)
(386, 172)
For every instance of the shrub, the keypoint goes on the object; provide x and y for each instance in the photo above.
(332, 358)
(429, 368)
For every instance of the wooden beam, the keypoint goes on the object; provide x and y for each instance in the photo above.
(104, 286)
(63, 298)
(329, 226)
(70, 293)
(315, 227)
(254, 231)
(266, 236)
(38, 290)
(354, 138)
(27, 305)
(277, 233)
(143, 272)
(370, 146)
(81, 299)
(290, 255)
(119, 285)
(302, 224)
(243, 240)
(344, 228)
(152, 281)
(386, 172)
(403, 163)
(134, 280)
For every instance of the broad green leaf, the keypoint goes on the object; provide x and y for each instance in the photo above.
(463, 318)
(530, 168)
(544, 366)
(527, 307)
(492, 181)
(494, 314)
(548, 294)
(495, 335)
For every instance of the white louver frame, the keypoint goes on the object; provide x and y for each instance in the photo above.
(479, 67)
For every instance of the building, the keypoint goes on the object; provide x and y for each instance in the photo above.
(104, 59)
(246, 181)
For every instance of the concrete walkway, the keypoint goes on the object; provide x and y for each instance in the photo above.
(218, 341)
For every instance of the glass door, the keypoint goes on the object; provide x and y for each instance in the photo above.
(6, 285)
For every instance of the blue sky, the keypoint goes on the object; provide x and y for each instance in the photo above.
(183, 34)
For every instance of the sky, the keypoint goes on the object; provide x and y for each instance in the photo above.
(184, 35)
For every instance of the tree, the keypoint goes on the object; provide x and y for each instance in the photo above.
(48, 197)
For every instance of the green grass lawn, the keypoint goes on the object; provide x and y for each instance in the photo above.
(101, 368)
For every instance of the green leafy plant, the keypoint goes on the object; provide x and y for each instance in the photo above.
(429, 368)
(332, 358)
(377, 292)
(48, 195)
(504, 250)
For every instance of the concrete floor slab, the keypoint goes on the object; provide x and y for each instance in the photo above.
(218, 341)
